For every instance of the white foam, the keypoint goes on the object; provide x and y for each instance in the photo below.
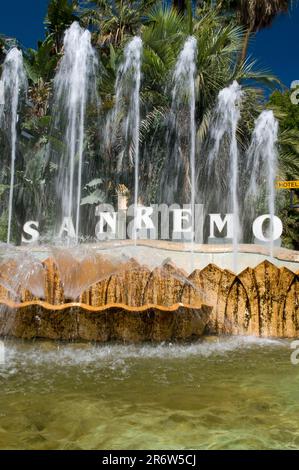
(74, 354)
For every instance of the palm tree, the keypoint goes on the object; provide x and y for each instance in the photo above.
(113, 21)
(40, 66)
(254, 15)
(60, 15)
(163, 37)
(163, 31)
(182, 6)
(179, 5)
(258, 14)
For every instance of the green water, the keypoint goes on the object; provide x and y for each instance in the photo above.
(217, 394)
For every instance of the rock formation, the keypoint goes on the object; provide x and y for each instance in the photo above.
(132, 303)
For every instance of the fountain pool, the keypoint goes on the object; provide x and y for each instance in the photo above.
(221, 393)
(143, 344)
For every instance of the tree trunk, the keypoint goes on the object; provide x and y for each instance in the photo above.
(182, 6)
(190, 16)
(245, 45)
(179, 5)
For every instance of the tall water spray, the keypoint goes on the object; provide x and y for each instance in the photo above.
(227, 118)
(184, 90)
(14, 84)
(75, 87)
(127, 90)
(262, 163)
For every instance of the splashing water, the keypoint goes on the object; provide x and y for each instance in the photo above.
(184, 88)
(79, 267)
(75, 86)
(14, 83)
(22, 271)
(262, 159)
(127, 88)
(79, 395)
(227, 118)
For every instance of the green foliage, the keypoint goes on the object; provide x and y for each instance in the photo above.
(95, 194)
(220, 35)
(41, 63)
(3, 226)
(287, 113)
(3, 188)
(113, 22)
(60, 15)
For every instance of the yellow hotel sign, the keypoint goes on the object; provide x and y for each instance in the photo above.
(287, 184)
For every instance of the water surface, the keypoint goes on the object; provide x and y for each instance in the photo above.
(221, 393)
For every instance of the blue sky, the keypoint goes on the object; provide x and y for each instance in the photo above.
(23, 19)
(274, 48)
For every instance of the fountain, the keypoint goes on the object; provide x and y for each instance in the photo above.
(74, 88)
(186, 336)
(227, 117)
(262, 163)
(14, 85)
(184, 89)
(102, 293)
(127, 95)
